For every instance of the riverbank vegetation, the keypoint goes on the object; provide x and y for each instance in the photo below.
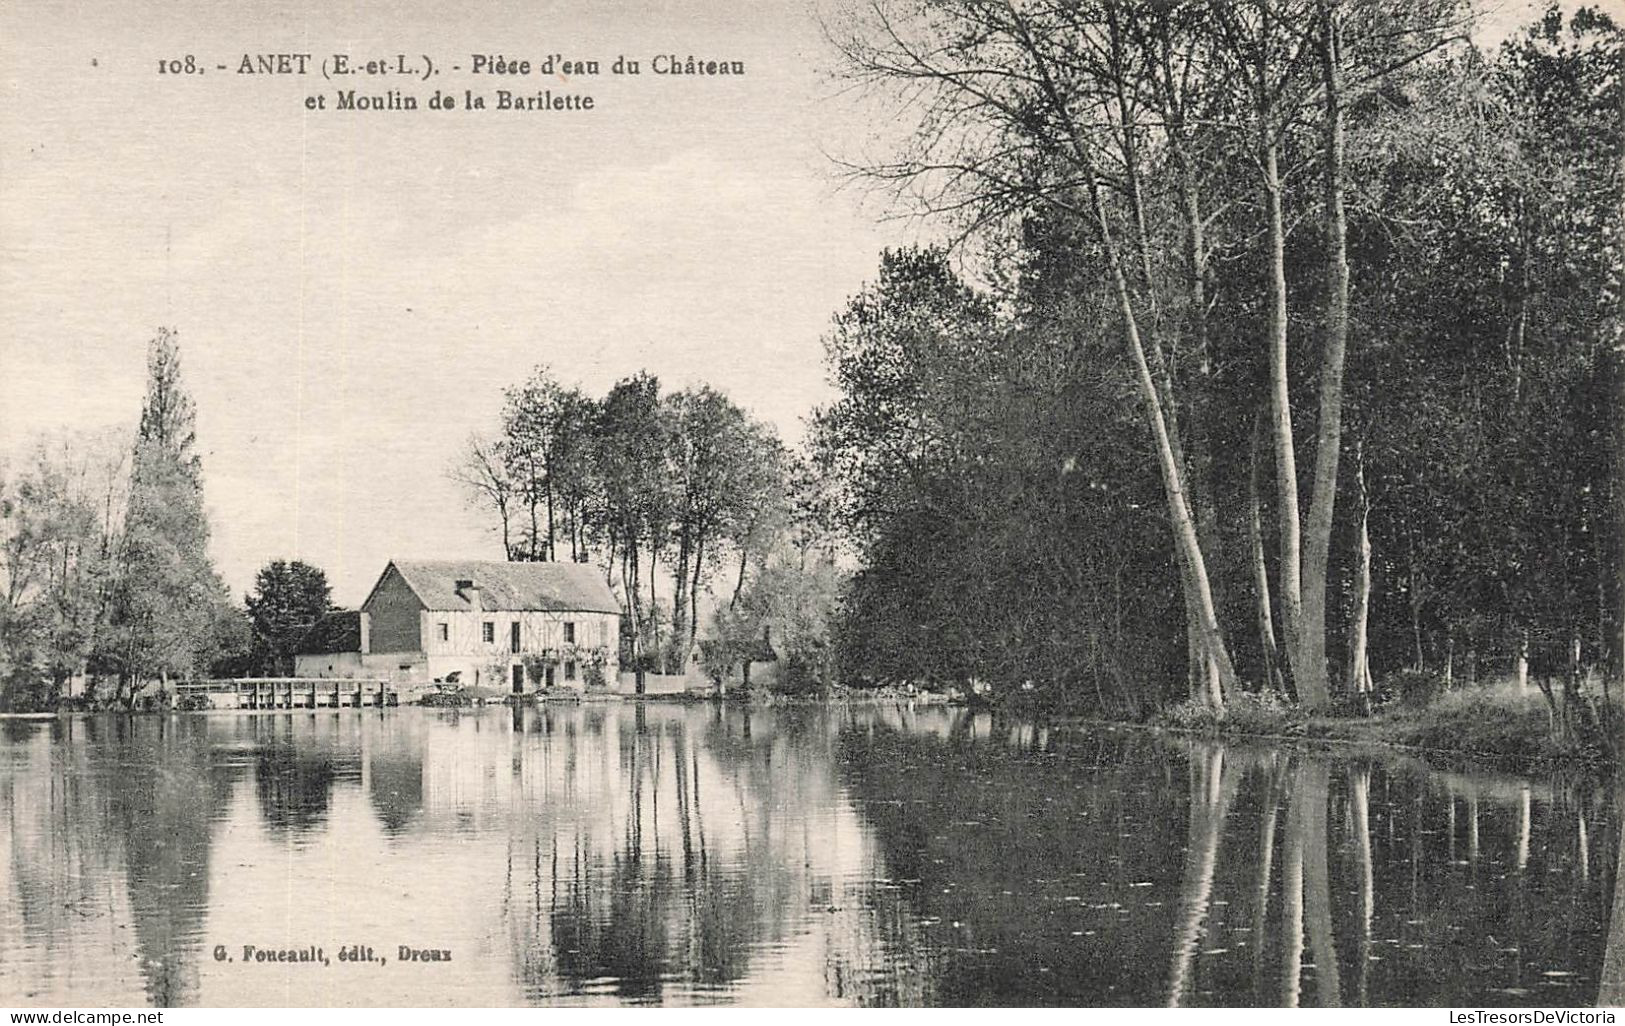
(1496, 721)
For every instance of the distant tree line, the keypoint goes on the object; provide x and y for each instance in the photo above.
(1293, 362)
(104, 556)
(673, 494)
(106, 572)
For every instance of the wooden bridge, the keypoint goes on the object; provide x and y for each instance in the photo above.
(289, 692)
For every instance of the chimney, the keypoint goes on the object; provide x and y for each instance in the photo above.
(366, 631)
(469, 591)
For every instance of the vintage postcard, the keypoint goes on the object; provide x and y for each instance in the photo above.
(812, 503)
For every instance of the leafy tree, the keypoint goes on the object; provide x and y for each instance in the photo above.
(978, 465)
(633, 449)
(287, 600)
(787, 614)
(639, 482)
(56, 533)
(165, 597)
(728, 481)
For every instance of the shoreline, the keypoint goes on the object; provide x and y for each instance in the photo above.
(1340, 736)
(1435, 756)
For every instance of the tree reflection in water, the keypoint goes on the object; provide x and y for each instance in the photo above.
(299, 758)
(865, 855)
(1344, 868)
(1611, 991)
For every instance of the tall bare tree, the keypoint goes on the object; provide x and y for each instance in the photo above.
(1020, 109)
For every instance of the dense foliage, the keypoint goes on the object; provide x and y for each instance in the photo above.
(1295, 327)
(289, 596)
(669, 492)
(106, 565)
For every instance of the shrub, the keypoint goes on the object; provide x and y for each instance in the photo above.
(592, 673)
(1414, 688)
(1245, 712)
(536, 665)
(1495, 721)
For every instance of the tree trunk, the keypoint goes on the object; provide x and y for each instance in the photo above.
(1261, 576)
(680, 608)
(654, 609)
(1292, 902)
(1359, 651)
(1360, 799)
(694, 598)
(1201, 665)
(629, 582)
(535, 523)
(1266, 865)
(1221, 675)
(1315, 688)
(1521, 668)
(1286, 460)
(552, 538)
(739, 582)
(1311, 790)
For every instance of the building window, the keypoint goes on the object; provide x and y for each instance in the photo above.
(489, 631)
(570, 670)
(513, 636)
(445, 631)
(569, 633)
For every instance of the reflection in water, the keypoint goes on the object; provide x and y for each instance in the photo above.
(1210, 801)
(652, 853)
(1360, 799)
(1611, 991)
(1309, 836)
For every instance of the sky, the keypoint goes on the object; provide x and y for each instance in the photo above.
(353, 290)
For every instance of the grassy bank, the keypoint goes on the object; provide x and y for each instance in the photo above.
(1496, 721)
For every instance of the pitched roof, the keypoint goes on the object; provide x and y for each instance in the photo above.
(338, 631)
(554, 587)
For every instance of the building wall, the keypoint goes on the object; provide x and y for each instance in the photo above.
(337, 665)
(538, 631)
(465, 649)
(664, 683)
(394, 666)
(393, 609)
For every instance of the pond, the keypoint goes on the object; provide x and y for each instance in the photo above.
(650, 853)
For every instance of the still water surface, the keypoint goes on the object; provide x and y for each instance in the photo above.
(632, 853)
